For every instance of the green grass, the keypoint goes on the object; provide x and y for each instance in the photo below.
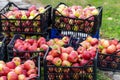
(109, 28)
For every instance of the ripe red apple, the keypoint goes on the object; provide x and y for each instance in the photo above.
(31, 71)
(94, 41)
(57, 61)
(111, 49)
(50, 42)
(66, 63)
(83, 62)
(85, 44)
(86, 55)
(24, 72)
(16, 60)
(49, 58)
(41, 41)
(92, 54)
(44, 47)
(18, 70)
(114, 42)
(118, 46)
(64, 56)
(29, 64)
(32, 76)
(80, 50)
(31, 8)
(10, 65)
(3, 78)
(73, 56)
(12, 76)
(6, 70)
(54, 53)
(21, 77)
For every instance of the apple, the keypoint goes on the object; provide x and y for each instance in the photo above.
(105, 43)
(94, 41)
(66, 63)
(49, 58)
(6, 70)
(16, 60)
(80, 50)
(86, 55)
(64, 56)
(83, 62)
(3, 78)
(32, 76)
(57, 61)
(31, 71)
(2, 62)
(10, 65)
(41, 9)
(33, 7)
(75, 67)
(111, 49)
(65, 39)
(114, 42)
(118, 46)
(44, 47)
(73, 56)
(54, 53)
(12, 76)
(21, 77)
(29, 64)
(18, 70)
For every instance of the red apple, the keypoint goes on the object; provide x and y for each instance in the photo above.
(18, 70)
(21, 77)
(105, 43)
(3, 78)
(50, 42)
(80, 50)
(118, 46)
(32, 76)
(2, 62)
(94, 41)
(86, 55)
(44, 47)
(66, 63)
(10, 65)
(31, 71)
(64, 56)
(49, 58)
(65, 39)
(75, 67)
(29, 64)
(73, 56)
(54, 53)
(83, 62)
(111, 49)
(33, 7)
(6, 70)
(114, 42)
(57, 61)
(16, 60)
(12, 76)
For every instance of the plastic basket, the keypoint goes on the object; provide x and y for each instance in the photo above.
(2, 47)
(87, 25)
(22, 54)
(86, 72)
(39, 23)
(108, 62)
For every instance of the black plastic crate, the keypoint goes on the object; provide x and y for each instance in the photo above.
(86, 72)
(92, 27)
(2, 47)
(108, 62)
(24, 55)
(39, 23)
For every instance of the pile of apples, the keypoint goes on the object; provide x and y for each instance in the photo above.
(14, 70)
(76, 18)
(77, 11)
(41, 45)
(72, 59)
(27, 24)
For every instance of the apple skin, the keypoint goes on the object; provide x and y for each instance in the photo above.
(105, 43)
(75, 67)
(57, 61)
(6, 70)
(86, 55)
(66, 63)
(3, 78)
(114, 42)
(64, 56)
(49, 58)
(44, 47)
(65, 39)
(10, 65)
(111, 49)
(21, 77)
(118, 46)
(18, 70)
(16, 60)
(83, 62)
(29, 64)
(31, 71)
(80, 50)
(12, 76)
(73, 56)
